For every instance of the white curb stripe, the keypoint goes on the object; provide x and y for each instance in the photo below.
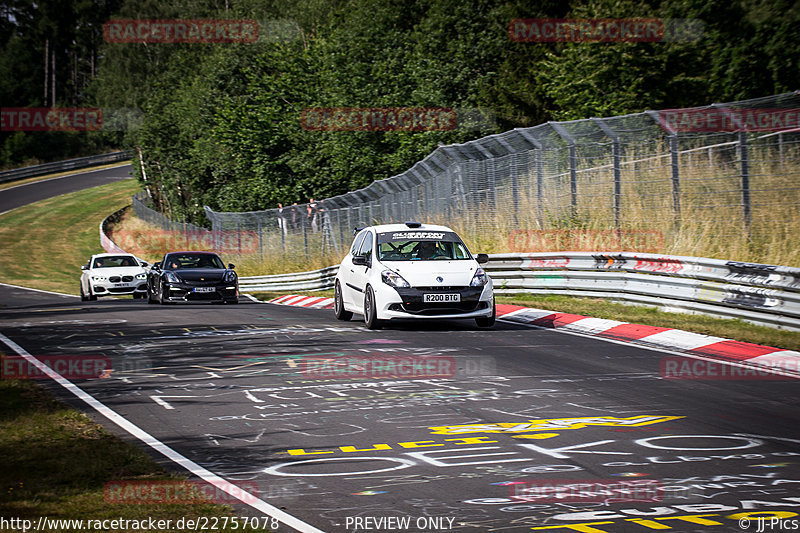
(592, 325)
(682, 340)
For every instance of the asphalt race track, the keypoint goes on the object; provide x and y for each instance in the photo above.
(509, 429)
(20, 195)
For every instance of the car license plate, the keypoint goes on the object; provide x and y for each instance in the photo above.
(204, 289)
(441, 298)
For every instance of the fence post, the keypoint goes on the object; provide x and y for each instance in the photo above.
(674, 163)
(260, 241)
(745, 172)
(573, 163)
(539, 159)
(615, 158)
(676, 180)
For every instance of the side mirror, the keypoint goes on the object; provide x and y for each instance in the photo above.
(84, 267)
(360, 260)
(144, 264)
(482, 258)
(157, 266)
(231, 266)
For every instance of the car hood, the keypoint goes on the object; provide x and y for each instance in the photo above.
(117, 271)
(425, 273)
(200, 274)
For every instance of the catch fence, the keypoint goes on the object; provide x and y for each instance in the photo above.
(720, 180)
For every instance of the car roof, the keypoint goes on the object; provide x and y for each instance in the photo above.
(192, 252)
(403, 227)
(113, 255)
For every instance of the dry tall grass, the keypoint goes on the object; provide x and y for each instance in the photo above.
(710, 223)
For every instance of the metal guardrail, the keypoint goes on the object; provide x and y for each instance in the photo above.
(759, 293)
(315, 280)
(763, 294)
(59, 166)
(105, 241)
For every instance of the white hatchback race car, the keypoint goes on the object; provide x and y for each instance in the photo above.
(113, 275)
(413, 271)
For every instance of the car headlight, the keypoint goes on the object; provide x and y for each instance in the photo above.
(393, 279)
(479, 279)
(141, 276)
(230, 276)
(99, 278)
(171, 278)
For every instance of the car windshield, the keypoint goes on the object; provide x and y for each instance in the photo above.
(421, 246)
(183, 261)
(115, 261)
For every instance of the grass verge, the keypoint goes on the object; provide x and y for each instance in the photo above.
(44, 244)
(649, 316)
(56, 462)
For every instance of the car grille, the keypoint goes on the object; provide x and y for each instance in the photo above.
(114, 279)
(127, 278)
(447, 308)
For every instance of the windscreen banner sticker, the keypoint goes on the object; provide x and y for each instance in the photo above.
(552, 424)
(394, 236)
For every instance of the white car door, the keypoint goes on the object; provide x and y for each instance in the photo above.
(346, 272)
(359, 274)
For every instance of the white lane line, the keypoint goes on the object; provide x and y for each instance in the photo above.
(38, 290)
(199, 471)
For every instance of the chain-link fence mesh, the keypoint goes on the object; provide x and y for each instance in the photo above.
(721, 180)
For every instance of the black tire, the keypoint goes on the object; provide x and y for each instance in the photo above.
(84, 298)
(232, 302)
(487, 321)
(150, 298)
(369, 310)
(136, 295)
(92, 297)
(338, 304)
(161, 297)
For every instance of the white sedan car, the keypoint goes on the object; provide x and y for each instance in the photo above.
(412, 270)
(113, 275)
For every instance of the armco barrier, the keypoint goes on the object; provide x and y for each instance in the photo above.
(314, 280)
(60, 166)
(107, 244)
(763, 294)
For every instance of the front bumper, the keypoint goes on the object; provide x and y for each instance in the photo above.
(409, 302)
(119, 289)
(185, 292)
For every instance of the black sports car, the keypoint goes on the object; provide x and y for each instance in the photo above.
(192, 276)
